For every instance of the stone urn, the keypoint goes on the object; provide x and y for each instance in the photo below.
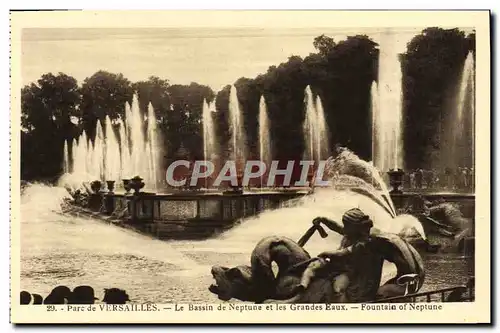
(111, 185)
(396, 178)
(126, 185)
(96, 186)
(136, 184)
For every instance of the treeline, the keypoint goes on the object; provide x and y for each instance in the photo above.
(432, 68)
(57, 108)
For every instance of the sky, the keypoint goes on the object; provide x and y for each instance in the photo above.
(214, 57)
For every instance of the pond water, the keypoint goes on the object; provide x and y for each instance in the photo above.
(62, 250)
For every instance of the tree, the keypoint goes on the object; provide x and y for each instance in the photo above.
(324, 44)
(46, 111)
(432, 66)
(340, 73)
(185, 123)
(249, 94)
(104, 94)
(50, 103)
(155, 91)
(222, 117)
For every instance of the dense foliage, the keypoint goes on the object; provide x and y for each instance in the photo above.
(432, 67)
(56, 108)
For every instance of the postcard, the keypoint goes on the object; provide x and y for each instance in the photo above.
(250, 167)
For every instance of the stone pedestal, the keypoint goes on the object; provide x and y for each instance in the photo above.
(95, 201)
(109, 203)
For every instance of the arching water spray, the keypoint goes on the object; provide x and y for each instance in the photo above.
(65, 250)
(365, 190)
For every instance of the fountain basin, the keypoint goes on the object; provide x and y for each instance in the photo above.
(202, 215)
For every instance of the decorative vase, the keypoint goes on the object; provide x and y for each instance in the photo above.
(96, 186)
(396, 180)
(136, 184)
(111, 185)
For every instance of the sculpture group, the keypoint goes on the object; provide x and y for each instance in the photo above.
(350, 274)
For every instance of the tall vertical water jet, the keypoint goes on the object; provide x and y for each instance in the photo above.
(322, 140)
(98, 153)
(153, 148)
(80, 166)
(457, 146)
(74, 152)
(315, 129)
(389, 118)
(237, 129)
(265, 151)
(464, 88)
(112, 153)
(136, 124)
(209, 144)
(463, 131)
(309, 125)
(83, 151)
(66, 165)
(127, 157)
(125, 170)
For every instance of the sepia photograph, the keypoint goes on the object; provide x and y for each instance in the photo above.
(233, 167)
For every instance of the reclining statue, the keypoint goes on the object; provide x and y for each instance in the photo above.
(350, 274)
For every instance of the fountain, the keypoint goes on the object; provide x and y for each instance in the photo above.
(80, 165)
(111, 153)
(322, 142)
(309, 125)
(209, 144)
(152, 148)
(209, 136)
(457, 148)
(387, 113)
(315, 129)
(65, 157)
(124, 152)
(137, 138)
(98, 152)
(265, 151)
(237, 128)
(111, 157)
